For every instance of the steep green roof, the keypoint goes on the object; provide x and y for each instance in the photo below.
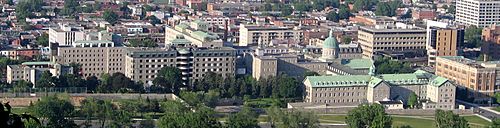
(438, 81)
(331, 42)
(330, 81)
(404, 79)
(358, 63)
(181, 26)
(374, 82)
(419, 77)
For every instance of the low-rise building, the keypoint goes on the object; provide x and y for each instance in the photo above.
(481, 78)
(353, 90)
(196, 32)
(31, 71)
(249, 34)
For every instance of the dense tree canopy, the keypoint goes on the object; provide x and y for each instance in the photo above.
(291, 119)
(143, 43)
(25, 8)
(43, 40)
(388, 66)
(473, 37)
(56, 111)
(447, 119)
(110, 16)
(246, 118)
(368, 115)
(179, 116)
(412, 100)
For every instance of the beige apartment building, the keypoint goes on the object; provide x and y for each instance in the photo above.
(391, 38)
(65, 34)
(272, 65)
(95, 57)
(480, 77)
(443, 40)
(31, 71)
(353, 90)
(250, 34)
(142, 64)
(196, 32)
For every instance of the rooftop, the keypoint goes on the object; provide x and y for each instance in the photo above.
(419, 77)
(37, 63)
(358, 63)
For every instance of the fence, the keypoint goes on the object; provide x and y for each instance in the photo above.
(30, 92)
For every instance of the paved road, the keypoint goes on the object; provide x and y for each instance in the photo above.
(483, 111)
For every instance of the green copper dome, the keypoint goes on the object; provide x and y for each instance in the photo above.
(330, 42)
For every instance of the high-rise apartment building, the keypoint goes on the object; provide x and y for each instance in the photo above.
(479, 13)
(483, 78)
(400, 37)
(442, 40)
(250, 34)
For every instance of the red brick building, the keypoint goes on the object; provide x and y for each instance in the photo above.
(421, 14)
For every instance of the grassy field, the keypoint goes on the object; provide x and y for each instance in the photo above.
(497, 109)
(413, 121)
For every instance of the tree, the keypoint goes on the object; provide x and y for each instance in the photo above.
(178, 116)
(144, 43)
(45, 80)
(22, 86)
(153, 20)
(333, 16)
(364, 5)
(412, 100)
(102, 110)
(497, 97)
(13, 120)
(388, 66)
(368, 115)
(291, 119)
(495, 123)
(311, 73)
(92, 82)
(246, 118)
(344, 12)
(267, 7)
(25, 8)
(43, 40)
(286, 10)
(172, 77)
(69, 7)
(451, 9)
(473, 37)
(9, 2)
(447, 119)
(56, 111)
(148, 8)
(110, 16)
(346, 39)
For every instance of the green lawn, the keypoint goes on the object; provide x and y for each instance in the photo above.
(476, 122)
(19, 110)
(497, 109)
(413, 121)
